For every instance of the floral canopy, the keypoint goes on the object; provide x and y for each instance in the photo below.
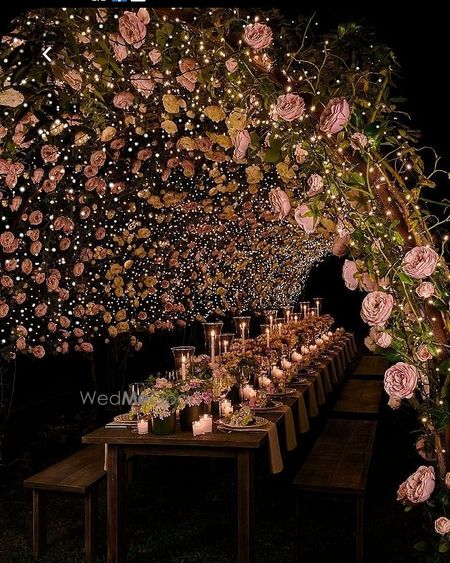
(169, 164)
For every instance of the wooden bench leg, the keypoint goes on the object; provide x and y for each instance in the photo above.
(298, 531)
(360, 530)
(39, 523)
(90, 522)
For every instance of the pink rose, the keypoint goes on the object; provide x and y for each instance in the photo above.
(90, 171)
(52, 282)
(49, 153)
(335, 116)
(348, 273)
(35, 217)
(280, 202)
(358, 141)
(425, 290)
(20, 298)
(98, 159)
(300, 154)
(304, 220)
(6, 281)
(21, 343)
(422, 353)
(420, 262)
(35, 247)
(231, 64)
(258, 36)
(315, 183)
(40, 310)
(78, 269)
(87, 347)
(381, 338)
(4, 309)
(442, 526)
(289, 107)
(241, 143)
(155, 56)
(7, 238)
(447, 480)
(400, 380)
(123, 100)
(418, 487)
(64, 243)
(143, 15)
(143, 84)
(367, 282)
(38, 351)
(341, 245)
(73, 79)
(119, 47)
(57, 173)
(64, 321)
(189, 73)
(132, 29)
(376, 307)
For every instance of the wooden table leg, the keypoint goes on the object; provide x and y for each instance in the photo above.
(360, 530)
(245, 486)
(90, 522)
(116, 504)
(39, 522)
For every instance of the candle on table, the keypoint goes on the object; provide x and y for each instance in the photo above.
(271, 322)
(213, 345)
(225, 346)
(206, 421)
(226, 407)
(142, 426)
(288, 315)
(197, 428)
(183, 367)
(267, 338)
(243, 336)
(318, 307)
(295, 318)
(264, 381)
(247, 392)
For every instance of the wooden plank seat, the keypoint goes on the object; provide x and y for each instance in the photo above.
(337, 468)
(371, 367)
(360, 399)
(78, 474)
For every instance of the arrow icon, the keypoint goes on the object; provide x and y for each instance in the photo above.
(46, 55)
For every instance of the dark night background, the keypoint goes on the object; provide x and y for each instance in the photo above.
(47, 391)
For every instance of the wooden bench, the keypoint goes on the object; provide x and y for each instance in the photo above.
(371, 367)
(78, 474)
(337, 467)
(359, 399)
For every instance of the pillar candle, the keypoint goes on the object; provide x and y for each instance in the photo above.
(267, 338)
(142, 426)
(213, 345)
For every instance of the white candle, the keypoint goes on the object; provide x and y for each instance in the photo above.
(225, 346)
(267, 338)
(247, 392)
(264, 381)
(271, 322)
(183, 367)
(243, 336)
(295, 318)
(206, 421)
(197, 428)
(288, 315)
(213, 345)
(142, 426)
(226, 407)
(318, 307)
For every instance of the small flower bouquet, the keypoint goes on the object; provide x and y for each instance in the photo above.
(242, 417)
(194, 392)
(161, 400)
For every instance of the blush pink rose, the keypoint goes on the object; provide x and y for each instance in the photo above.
(381, 338)
(376, 307)
(300, 154)
(418, 487)
(258, 36)
(73, 79)
(422, 353)
(420, 262)
(4, 309)
(341, 245)
(90, 171)
(20, 298)
(40, 310)
(98, 159)
(64, 321)
(143, 84)
(280, 202)
(367, 282)
(143, 15)
(119, 47)
(304, 220)
(241, 144)
(358, 141)
(349, 270)
(155, 56)
(231, 64)
(64, 243)
(87, 347)
(335, 116)
(400, 380)
(315, 183)
(442, 526)
(189, 73)
(132, 29)
(123, 100)
(425, 290)
(35, 217)
(38, 351)
(289, 107)
(49, 153)
(52, 282)
(21, 343)
(35, 247)
(78, 269)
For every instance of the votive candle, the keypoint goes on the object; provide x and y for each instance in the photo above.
(142, 426)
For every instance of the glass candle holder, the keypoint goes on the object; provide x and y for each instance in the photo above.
(288, 311)
(270, 315)
(212, 338)
(225, 342)
(312, 312)
(183, 356)
(304, 309)
(279, 322)
(318, 301)
(242, 327)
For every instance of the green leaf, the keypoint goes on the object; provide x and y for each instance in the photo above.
(273, 153)
(421, 546)
(443, 546)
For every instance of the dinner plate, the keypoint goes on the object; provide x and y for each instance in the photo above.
(124, 418)
(260, 422)
(273, 406)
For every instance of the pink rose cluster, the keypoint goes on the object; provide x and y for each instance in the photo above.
(400, 380)
(418, 487)
(258, 36)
